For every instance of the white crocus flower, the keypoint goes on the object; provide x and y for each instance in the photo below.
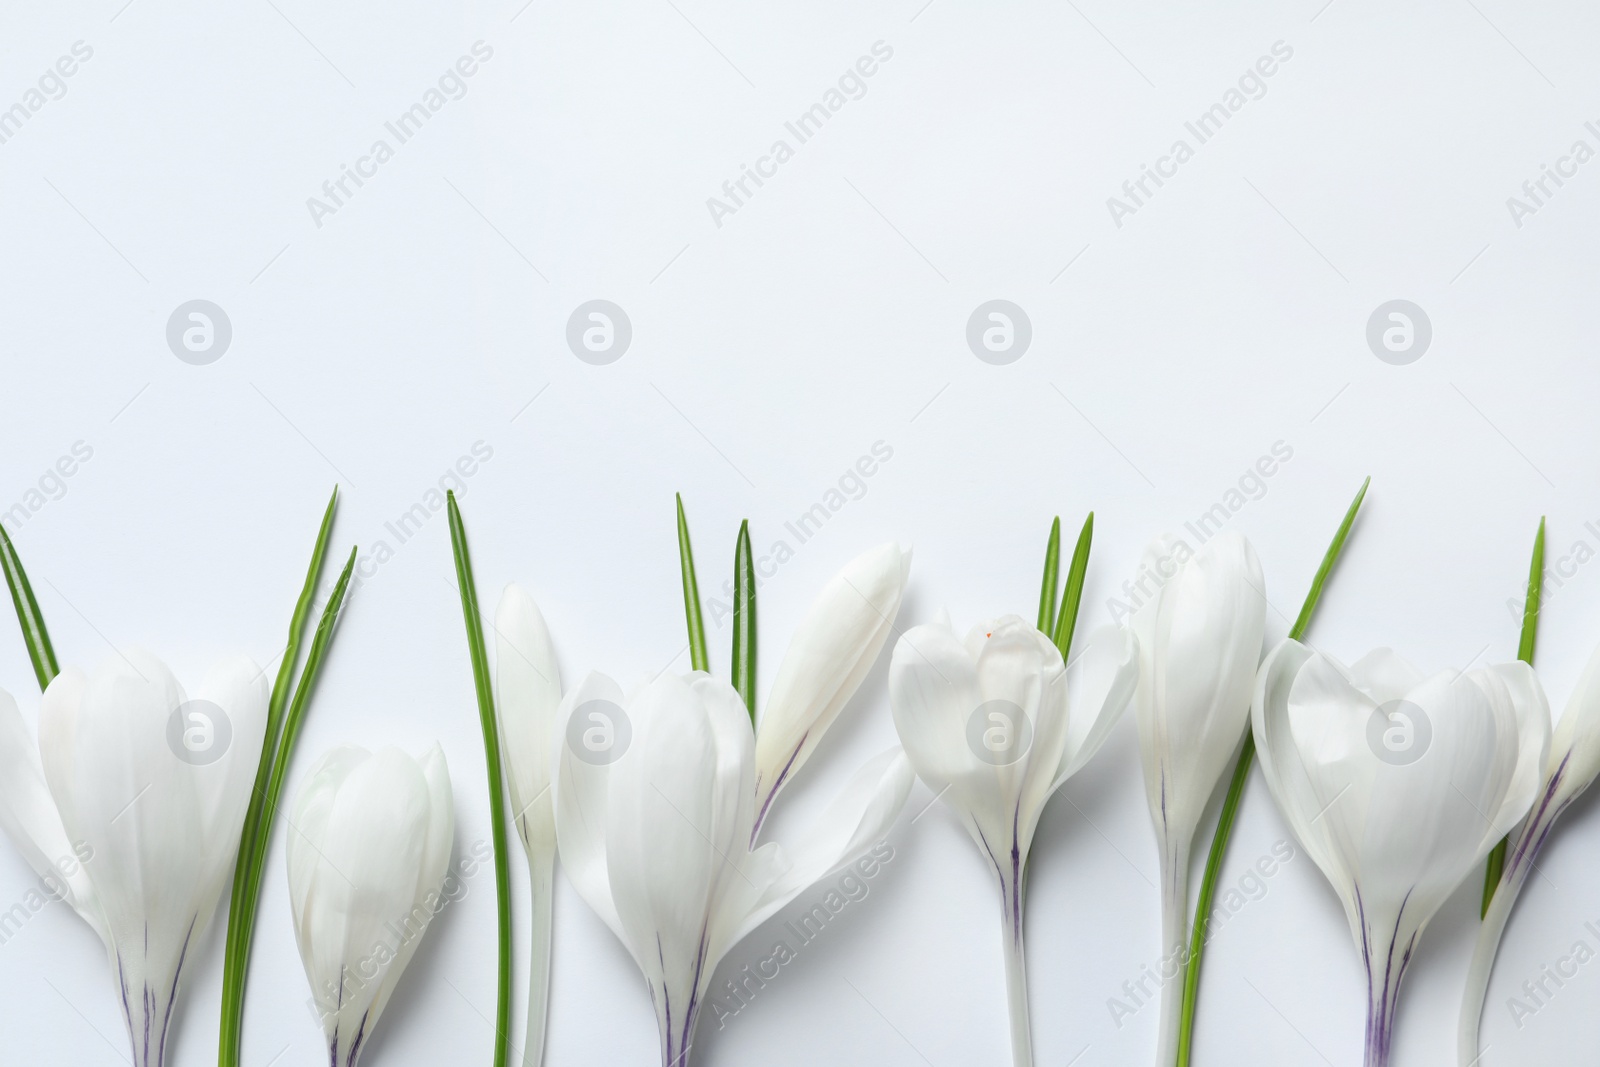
(830, 653)
(1572, 765)
(655, 800)
(1397, 786)
(149, 789)
(369, 842)
(1199, 644)
(527, 695)
(995, 724)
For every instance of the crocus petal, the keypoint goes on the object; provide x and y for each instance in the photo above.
(1531, 708)
(436, 845)
(308, 820)
(1299, 795)
(29, 816)
(58, 725)
(239, 687)
(933, 690)
(1569, 767)
(1450, 796)
(1384, 675)
(1100, 683)
(527, 696)
(669, 830)
(581, 789)
(857, 819)
(830, 653)
(1577, 736)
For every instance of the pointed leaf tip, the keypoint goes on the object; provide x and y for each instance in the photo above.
(1052, 571)
(35, 635)
(744, 620)
(1077, 572)
(699, 658)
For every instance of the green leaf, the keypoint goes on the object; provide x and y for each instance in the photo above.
(34, 634)
(1298, 630)
(241, 915)
(744, 621)
(1530, 635)
(1067, 622)
(698, 658)
(491, 752)
(1230, 804)
(1530, 607)
(1052, 570)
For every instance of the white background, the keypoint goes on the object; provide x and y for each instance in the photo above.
(828, 313)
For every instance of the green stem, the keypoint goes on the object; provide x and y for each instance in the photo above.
(1067, 622)
(1230, 804)
(1052, 571)
(240, 918)
(744, 621)
(1530, 635)
(491, 751)
(698, 658)
(34, 634)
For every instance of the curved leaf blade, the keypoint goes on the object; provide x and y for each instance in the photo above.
(483, 685)
(744, 621)
(1052, 572)
(34, 633)
(1067, 622)
(698, 658)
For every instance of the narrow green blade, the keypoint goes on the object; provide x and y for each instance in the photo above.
(1067, 622)
(1298, 630)
(491, 751)
(34, 634)
(1230, 804)
(1052, 571)
(240, 924)
(698, 659)
(744, 621)
(1530, 635)
(1530, 607)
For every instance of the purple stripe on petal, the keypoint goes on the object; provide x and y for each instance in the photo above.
(783, 776)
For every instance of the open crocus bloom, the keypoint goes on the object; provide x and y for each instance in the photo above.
(1199, 645)
(1572, 765)
(1397, 786)
(994, 725)
(655, 800)
(150, 788)
(368, 845)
